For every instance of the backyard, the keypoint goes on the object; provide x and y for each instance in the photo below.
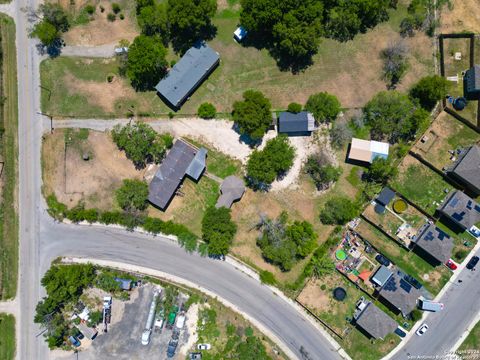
(433, 278)
(420, 185)
(350, 70)
(444, 135)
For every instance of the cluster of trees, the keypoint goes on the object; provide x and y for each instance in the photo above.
(322, 170)
(421, 17)
(141, 143)
(292, 29)
(54, 22)
(218, 230)
(283, 243)
(132, 195)
(252, 114)
(264, 166)
(339, 210)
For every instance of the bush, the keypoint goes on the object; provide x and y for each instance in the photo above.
(321, 170)
(102, 9)
(323, 287)
(324, 107)
(172, 63)
(116, 8)
(294, 107)
(111, 17)
(266, 277)
(340, 134)
(132, 195)
(338, 210)
(121, 16)
(56, 209)
(95, 318)
(90, 9)
(416, 315)
(206, 111)
(460, 255)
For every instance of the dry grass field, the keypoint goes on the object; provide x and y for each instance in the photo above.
(463, 17)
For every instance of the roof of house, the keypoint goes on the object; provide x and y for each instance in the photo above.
(381, 275)
(187, 73)
(435, 242)
(461, 208)
(375, 322)
(400, 293)
(182, 159)
(289, 122)
(367, 150)
(385, 196)
(467, 167)
(232, 189)
(472, 78)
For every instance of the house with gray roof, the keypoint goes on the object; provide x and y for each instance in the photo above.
(182, 160)
(187, 74)
(461, 209)
(433, 244)
(374, 322)
(232, 189)
(296, 124)
(399, 294)
(471, 83)
(466, 169)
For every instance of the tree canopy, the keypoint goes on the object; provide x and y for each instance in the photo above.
(381, 170)
(338, 210)
(324, 106)
(253, 114)
(394, 116)
(152, 20)
(141, 143)
(395, 63)
(264, 166)
(132, 195)
(218, 230)
(54, 22)
(429, 90)
(146, 63)
(322, 171)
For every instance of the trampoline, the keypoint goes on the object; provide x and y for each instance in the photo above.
(339, 294)
(340, 255)
(399, 206)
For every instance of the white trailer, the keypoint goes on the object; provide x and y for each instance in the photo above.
(151, 316)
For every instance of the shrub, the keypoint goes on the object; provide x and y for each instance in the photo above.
(416, 315)
(90, 9)
(116, 8)
(102, 9)
(121, 16)
(218, 230)
(323, 287)
(338, 210)
(321, 170)
(340, 134)
(132, 195)
(111, 17)
(294, 107)
(172, 63)
(266, 277)
(109, 78)
(207, 111)
(395, 63)
(460, 255)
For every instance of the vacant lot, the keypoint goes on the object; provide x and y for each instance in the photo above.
(432, 278)
(420, 185)
(445, 134)
(463, 17)
(7, 340)
(350, 70)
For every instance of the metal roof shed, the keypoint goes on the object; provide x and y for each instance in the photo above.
(385, 196)
(296, 123)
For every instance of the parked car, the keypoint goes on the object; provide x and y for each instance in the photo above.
(400, 332)
(121, 50)
(472, 263)
(382, 260)
(204, 346)
(451, 265)
(172, 347)
(422, 330)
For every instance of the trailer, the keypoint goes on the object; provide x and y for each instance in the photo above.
(151, 316)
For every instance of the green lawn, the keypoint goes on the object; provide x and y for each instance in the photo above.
(407, 261)
(9, 153)
(7, 339)
(421, 185)
(472, 342)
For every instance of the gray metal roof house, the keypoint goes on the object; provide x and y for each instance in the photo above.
(400, 294)
(302, 123)
(461, 209)
(471, 83)
(434, 244)
(232, 189)
(467, 168)
(375, 322)
(182, 160)
(187, 74)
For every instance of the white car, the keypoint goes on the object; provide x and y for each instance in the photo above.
(204, 347)
(121, 50)
(422, 330)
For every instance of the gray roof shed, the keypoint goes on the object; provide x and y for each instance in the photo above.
(461, 209)
(467, 168)
(435, 242)
(187, 74)
(301, 122)
(375, 322)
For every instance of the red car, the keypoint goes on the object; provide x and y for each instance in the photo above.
(451, 265)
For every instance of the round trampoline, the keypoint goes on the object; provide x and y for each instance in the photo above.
(340, 255)
(399, 206)
(339, 294)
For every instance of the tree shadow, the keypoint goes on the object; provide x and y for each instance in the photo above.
(53, 50)
(182, 41)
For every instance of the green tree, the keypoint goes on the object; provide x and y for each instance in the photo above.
(55, 15)
(264, 166)
(141, 143)
(381, 170)
(429, 90)
(140, 4)
(324, 107)
(321, 170)
(218, 230)
(106, 281)
(132, 195)
(294, 107)
(303, 235)
(153, 20)
(146, 63)
(253, 115)
(251, 348)
(206, 111)
(321, 266)
(190, 21)
(45, 32)
(392, 115)
(338, 210)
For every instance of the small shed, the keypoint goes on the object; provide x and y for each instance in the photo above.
(302, 123)
(367, 150)
(385, 196)
(471, 83)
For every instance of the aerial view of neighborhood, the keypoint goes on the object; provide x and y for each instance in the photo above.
(239, 179)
